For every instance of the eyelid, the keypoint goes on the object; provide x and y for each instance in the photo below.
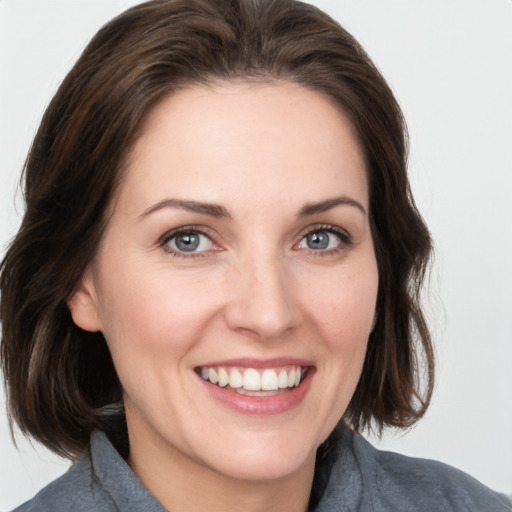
(330, 228)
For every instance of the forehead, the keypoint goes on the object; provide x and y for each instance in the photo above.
(215, 142)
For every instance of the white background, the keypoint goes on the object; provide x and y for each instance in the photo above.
(449, 63)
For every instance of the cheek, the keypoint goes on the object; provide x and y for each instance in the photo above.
(344, 306)
(153, 314)
(343, 312)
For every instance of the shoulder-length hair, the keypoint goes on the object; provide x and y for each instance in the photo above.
(60, 380)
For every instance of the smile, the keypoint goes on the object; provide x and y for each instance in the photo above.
(247, 381)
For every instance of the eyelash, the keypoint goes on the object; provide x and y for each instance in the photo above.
(346, 240)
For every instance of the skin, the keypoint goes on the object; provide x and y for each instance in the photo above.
(253, 289)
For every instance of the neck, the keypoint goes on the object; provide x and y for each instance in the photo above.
(181, 484)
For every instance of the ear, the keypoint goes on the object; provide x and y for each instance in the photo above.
(83, 304)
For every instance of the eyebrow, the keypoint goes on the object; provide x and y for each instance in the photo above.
(210, 209)
(219, 212)
(323, 206)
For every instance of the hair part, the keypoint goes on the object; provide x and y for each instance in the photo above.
(60, 380)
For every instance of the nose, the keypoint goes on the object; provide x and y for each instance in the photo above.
(264, 302)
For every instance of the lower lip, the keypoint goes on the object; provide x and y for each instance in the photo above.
(260, 405)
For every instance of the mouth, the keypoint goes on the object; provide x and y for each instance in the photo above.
(257, 382)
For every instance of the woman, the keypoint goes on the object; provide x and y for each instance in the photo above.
(216, 280)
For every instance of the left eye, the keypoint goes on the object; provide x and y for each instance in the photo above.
(189, 241)
(320, 240)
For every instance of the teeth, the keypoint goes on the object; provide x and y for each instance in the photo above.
(223, 377)
(282, 381)
(253, 380)
(269, 380)
(291, 378)
(235, 379)
(212, 375)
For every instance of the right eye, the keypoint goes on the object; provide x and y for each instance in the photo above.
(188, 241)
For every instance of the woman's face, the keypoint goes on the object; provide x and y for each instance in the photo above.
(237, 263)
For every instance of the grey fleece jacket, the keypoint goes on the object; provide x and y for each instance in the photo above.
(351, 476)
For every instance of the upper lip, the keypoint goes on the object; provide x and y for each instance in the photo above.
(259, 363)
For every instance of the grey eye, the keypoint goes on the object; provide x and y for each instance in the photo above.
(190, 242)
(187, 242)
(320, 240)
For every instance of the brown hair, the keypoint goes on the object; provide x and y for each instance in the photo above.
(60, 380)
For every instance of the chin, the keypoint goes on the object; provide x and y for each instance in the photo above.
(265, 457)
(265, 468)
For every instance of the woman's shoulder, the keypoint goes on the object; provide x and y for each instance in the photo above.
(410, 483)
(99, 481)
(352, 472)
(76, 490)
